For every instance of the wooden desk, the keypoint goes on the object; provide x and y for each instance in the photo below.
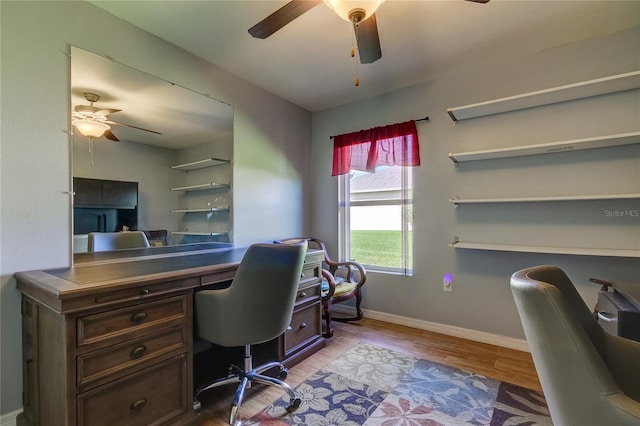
(110, 340)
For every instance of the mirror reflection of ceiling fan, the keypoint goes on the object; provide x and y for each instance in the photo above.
(360, 13)
(94, 122)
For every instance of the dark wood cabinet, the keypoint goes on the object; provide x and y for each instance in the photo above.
(101, 193)
(104, 205)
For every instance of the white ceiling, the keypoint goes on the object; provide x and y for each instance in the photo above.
(182, 117)
(308, 62)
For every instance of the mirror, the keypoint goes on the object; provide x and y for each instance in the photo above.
(163, 164)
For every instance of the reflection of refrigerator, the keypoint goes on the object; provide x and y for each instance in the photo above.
(104, 205)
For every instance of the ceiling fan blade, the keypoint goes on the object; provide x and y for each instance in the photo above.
(109, 135)
(133, 127)
(106, 111)
(282, 17)
(368, 40)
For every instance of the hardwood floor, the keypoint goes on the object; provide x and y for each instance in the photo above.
(503, 364)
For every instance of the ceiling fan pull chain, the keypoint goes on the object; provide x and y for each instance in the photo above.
(354, 36)
(91, 150)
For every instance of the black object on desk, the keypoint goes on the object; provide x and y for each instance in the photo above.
(619, 311)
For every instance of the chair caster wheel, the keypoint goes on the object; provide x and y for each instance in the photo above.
(294, 404)
(283, 374)
(197, 405)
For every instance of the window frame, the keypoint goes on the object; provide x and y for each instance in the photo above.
(406, 211)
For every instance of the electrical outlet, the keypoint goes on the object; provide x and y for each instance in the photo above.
(447, 283)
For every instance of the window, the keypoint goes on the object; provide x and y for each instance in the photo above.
(375, 218)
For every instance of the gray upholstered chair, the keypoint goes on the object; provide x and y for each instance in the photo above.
(255, 308)
(589, 377)
(106, 241)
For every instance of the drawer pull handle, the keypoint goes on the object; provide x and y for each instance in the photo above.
(289, 328)
(303, 294)
(139, 404)
(138, 317)
(145, 291)
(138, 351)
(604, 316)
(303, 325)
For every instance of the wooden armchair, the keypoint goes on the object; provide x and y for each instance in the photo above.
(340, 281)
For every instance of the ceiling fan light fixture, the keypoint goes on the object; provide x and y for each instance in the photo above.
(91, 128)
(354, 9)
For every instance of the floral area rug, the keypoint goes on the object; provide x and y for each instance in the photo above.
(374, 386)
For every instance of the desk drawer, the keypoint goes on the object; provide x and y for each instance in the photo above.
(308, 294)
(151, 397)
(310, 274)
(119, 323)
(305, 324)
(101, 365)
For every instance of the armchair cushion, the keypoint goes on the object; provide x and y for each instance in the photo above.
(325, 285)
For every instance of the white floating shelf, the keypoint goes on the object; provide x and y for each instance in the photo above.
(544, 199)
(201, 187)
(584, 89)
(207, 210)
(548, 250)
(199, 233)
(201, 164)
(549, 148)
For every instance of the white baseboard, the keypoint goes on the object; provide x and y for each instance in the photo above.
(9, 419)
(450, 330)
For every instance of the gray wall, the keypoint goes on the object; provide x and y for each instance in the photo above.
(130, 161)
(481, 299)
(271, 139)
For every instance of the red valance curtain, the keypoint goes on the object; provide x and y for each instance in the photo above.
(393, 145)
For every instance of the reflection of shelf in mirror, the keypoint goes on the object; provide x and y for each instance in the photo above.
(584, 89)
(199, 233)
(201, 164)
(548, 250)
(549, 148)
(544, 199)
(207, 210)
(201, 187)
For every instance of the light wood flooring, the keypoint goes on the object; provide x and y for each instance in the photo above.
(503, 364)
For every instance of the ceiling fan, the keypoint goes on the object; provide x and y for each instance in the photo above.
(94, 122)
(360, 13)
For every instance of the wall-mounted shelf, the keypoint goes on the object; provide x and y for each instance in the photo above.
(201, 187)
(549, 148)
(584, 89)
(201, 164)
(548, 250)
(206, 210)
(457, 201)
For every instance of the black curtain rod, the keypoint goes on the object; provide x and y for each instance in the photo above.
(420, 119)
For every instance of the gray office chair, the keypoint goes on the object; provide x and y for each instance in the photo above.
(106, 241)
(589, 377)
(255, 308)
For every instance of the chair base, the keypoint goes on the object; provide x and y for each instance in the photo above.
(245, 378)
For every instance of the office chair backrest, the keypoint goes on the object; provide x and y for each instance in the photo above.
(106, 241)
(572, 354)
(258, 305)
